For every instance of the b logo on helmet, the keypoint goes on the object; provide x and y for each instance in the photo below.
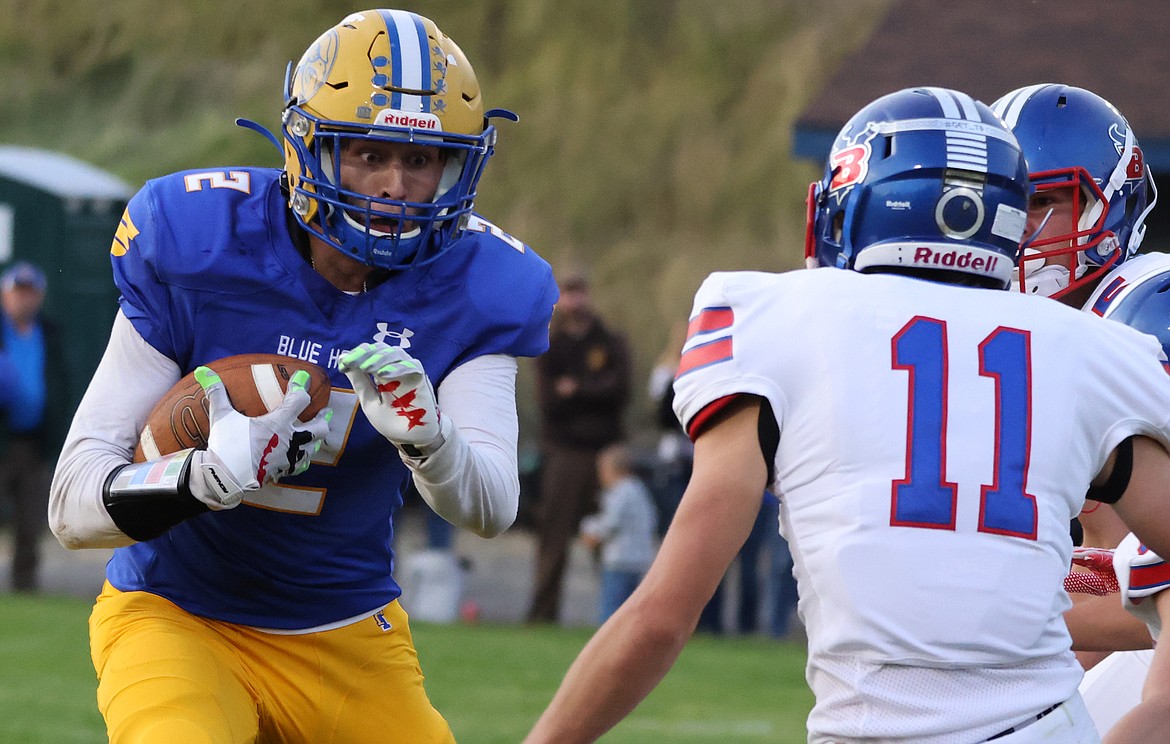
(849, 165)
(1136, 168)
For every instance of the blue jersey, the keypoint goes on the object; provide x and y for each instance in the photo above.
(207, 268)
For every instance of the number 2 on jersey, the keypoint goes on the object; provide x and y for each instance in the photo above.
(924, 498)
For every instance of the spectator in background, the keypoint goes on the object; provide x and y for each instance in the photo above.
(583, 385)
(674, 453)
(777, 585)
(624, 529)
(26, 353)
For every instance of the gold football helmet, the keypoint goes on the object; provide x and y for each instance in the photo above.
(384, 75)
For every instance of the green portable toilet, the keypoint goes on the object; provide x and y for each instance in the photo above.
(61, 213)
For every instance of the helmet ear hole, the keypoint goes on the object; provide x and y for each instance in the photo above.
(838, 226)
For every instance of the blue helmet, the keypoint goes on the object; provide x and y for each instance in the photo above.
(1074, 139)
(924, 179)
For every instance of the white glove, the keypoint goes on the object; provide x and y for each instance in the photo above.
(244, 453)
(396, 397)
(1141, 574)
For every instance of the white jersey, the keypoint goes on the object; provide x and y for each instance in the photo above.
(1114, 686)
(931, 457)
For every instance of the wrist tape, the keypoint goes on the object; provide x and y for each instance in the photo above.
(145, 499)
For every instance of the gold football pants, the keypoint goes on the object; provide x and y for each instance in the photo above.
(166, 675)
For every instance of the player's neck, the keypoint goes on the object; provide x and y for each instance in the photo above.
(341, 271)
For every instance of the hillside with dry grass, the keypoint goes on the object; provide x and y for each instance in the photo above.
(654, 137)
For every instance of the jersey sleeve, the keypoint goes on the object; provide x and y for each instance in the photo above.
(144, 300)
(1141, 574)
(719, 360)
(511, 289)
(189, 236)
(1139, 402)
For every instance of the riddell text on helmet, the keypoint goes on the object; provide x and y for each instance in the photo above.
(392, 118)
(954, 259)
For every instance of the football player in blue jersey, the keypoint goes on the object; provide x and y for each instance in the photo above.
(1086, 216)
(250, 595)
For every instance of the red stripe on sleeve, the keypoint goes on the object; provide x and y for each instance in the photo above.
(710, 319)
(712, 352)
(699, 421)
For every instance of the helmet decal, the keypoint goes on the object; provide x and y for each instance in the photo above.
(849, 165)
(959, 213)
(315, 67)
(409, 64)
(1135, 167)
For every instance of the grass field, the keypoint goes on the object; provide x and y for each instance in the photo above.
(491, 682)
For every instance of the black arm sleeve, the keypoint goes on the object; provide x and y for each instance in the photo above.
(769, 437)
(1111, 490)
(145, 499)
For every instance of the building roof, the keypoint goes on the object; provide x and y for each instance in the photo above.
(59, 174)
(1117, 49)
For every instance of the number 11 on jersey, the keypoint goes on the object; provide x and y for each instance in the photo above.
(924, 498)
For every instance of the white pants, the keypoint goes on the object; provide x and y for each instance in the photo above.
(1114, 686)
(1070, 723)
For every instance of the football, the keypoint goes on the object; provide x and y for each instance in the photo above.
(255, 385)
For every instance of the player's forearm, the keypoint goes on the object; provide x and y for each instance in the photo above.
(1102, 624)
(131, 376)
(76, 514)
(615, 671)
(472, 480)
(471, 485)
(1149, 720)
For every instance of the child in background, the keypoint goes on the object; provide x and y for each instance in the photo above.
(625, 528)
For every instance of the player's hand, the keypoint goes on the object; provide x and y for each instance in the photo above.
(244, 453)
(1099, 560)
(396, 397)
(1097, 576)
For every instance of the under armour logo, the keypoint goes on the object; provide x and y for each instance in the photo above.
(384, 333)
